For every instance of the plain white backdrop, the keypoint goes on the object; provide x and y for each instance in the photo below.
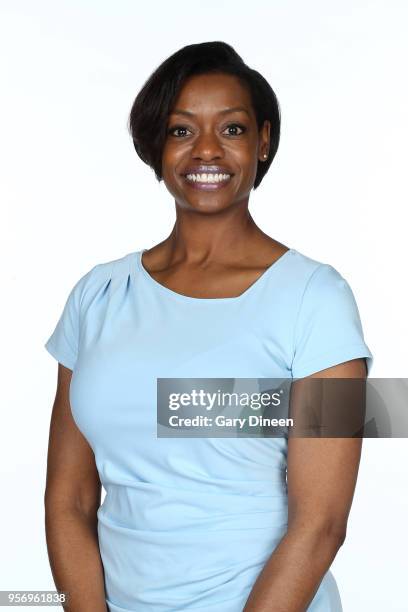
(74, 194)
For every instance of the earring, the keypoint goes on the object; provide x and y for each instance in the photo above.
(265, 155)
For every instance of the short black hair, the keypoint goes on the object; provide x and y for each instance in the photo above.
(152, 106)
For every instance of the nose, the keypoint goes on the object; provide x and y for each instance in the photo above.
(207, 146)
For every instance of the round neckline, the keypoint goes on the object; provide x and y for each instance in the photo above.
(188, 298)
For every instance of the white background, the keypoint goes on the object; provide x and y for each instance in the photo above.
(74, 194)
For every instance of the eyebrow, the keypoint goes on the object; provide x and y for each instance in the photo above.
(235, 109)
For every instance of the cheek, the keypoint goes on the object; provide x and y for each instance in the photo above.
(171, 161)
(247, 161)
(170, 165)
(243, 154)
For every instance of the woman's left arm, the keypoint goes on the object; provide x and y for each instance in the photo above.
(322, 474)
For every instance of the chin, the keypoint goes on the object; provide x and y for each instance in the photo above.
(208, 206)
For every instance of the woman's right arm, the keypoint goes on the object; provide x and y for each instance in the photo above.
(72, 498)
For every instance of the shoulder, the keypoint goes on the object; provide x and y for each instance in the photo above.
(328, 328)
(314, 278)
(326, 304)
(100, 276)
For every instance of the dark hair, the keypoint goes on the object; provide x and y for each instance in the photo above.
(148, 117)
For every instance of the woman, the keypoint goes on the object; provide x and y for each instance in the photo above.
(200, 523)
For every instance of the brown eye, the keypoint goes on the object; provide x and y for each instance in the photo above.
(177, 128)
(234, 126)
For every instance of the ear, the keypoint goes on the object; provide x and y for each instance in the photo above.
(264, 141)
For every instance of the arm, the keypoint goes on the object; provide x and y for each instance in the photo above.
(71, 500)
(322, 474)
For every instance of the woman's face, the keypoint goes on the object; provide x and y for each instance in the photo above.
(213, 145)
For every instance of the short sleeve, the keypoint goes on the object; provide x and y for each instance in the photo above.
(63, 344)
(328, 329)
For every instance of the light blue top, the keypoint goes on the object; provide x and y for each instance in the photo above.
(188, 523)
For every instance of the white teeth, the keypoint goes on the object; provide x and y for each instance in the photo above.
(208, 178)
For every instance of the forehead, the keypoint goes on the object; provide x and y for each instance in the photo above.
(211, 93)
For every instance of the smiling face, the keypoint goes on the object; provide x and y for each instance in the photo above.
(213, 144)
